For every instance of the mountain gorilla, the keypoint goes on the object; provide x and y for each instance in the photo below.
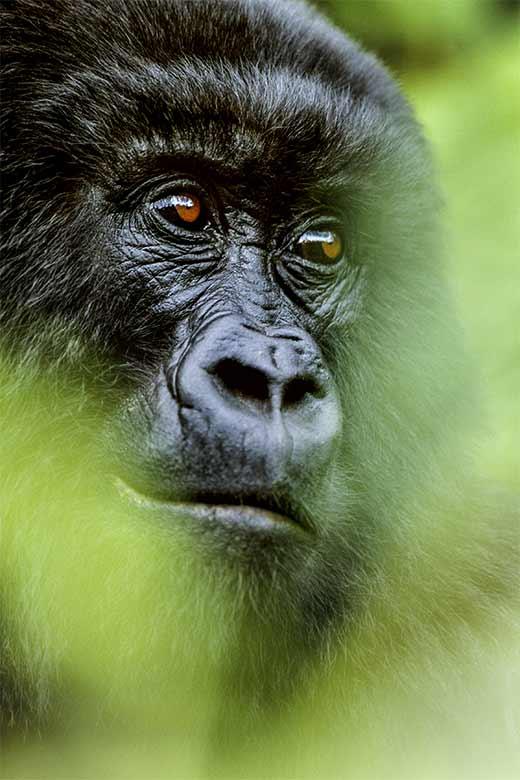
(235, 403)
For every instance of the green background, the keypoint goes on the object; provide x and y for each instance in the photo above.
(459, 63)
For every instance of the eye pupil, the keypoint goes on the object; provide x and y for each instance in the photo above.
(320, 246)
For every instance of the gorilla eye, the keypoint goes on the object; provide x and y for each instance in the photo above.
(320, 246)
(183, 209)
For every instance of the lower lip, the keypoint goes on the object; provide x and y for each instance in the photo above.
(249, 517)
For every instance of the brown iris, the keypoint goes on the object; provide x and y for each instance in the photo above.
(320, 246)
(182, 208)
(187, 207)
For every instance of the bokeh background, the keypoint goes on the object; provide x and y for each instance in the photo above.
(459, 63)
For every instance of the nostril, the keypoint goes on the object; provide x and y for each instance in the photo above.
(298, 388)
(244, 382)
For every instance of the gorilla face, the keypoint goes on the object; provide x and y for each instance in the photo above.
(232, 204)
(241, 408)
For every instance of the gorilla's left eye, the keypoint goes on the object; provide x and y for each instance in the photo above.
(320, 246)
(182, 209)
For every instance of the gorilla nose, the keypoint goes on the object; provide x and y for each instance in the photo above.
(234, 369)
(255, 405)
(276, 388)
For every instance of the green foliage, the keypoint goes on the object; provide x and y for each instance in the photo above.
(424, 32)
(471, 114)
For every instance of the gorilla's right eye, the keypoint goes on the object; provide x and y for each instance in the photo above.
(182, 209)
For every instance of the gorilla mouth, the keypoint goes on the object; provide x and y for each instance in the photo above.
(252, 512)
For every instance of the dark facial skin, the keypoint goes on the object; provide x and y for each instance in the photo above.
(237, 428)
(243, 409)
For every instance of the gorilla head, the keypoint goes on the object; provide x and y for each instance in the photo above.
(231, 207)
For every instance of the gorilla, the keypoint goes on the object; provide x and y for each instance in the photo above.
(236, 403)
